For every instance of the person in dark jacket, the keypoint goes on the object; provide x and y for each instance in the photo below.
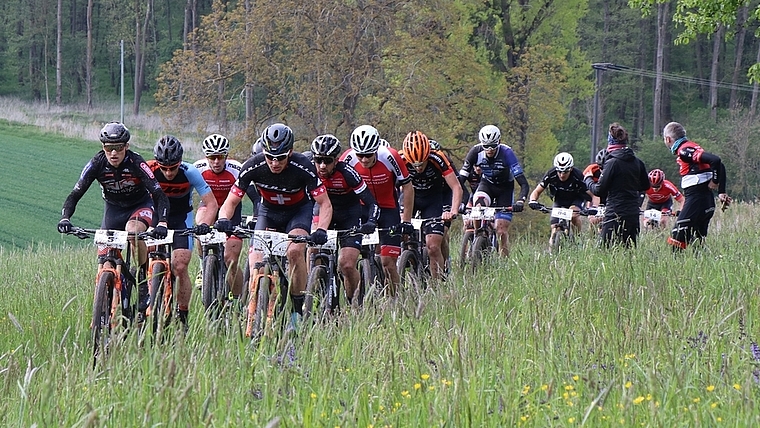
(701, 173)
(622, 180)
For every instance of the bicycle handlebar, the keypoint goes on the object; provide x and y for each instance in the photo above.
(590, 211)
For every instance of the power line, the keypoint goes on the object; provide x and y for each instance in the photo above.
(671, 77)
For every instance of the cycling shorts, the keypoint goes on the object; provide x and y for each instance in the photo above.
(116, 217)
(347, 218)
(501, 196)
(390, 245)
(284, 219)
(181, 242)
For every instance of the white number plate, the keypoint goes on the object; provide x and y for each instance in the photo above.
(111, 238)
(417, 223)
(151, 242)
(215, 237)
(371, 239)
(266, 240)
(655, 215)
(482, 213)
(563, 213)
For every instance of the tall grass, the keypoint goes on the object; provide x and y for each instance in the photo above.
(624, 338)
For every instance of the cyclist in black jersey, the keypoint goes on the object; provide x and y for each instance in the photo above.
(347, 192)
(289, 186)
(133, 198)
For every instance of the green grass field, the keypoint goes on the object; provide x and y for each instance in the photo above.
(620, 338)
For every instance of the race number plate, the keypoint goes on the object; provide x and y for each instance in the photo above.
(267, 240)
(215, 237)
(111, 238)
(655, 215)
(371, 239)
(563, 213)
(151, 242)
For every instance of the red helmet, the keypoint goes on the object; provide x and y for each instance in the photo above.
(656, 177)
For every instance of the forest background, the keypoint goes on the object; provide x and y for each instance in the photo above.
(446, 67)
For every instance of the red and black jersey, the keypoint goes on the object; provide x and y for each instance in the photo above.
(127, 185)
(666, 191)
(220, 183)
(384, 177)
(431, 179)
(290, 188)
(347, 189)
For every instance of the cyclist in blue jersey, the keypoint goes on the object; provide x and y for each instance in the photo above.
(178, 179)
(499, 169)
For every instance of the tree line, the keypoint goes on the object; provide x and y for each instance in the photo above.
(446, 67)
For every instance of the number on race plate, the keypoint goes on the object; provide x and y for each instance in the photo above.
(481, 213)
(332, 239)
(215, 237)
(266, 240)
(168, 240)
(111, 238)
(562, 213)
(655, 215)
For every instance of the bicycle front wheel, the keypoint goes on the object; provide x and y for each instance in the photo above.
(101, 314)
(409, 268)
(479, 251)
(464, 252)
(210, 287)
(318, 299)
(160, 307)
(258, 306)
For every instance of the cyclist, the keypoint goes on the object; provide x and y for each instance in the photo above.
(133, 198)
(701, 173)
(286, 181)
(384, 172)
(566, 186)
(429, 172)
(661, 193)
(178, 179)
(220, 172)
(499, 170)
(596, 200)
(621, 181)
(348, 192)
(447, 197)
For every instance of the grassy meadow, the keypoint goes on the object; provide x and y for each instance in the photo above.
(583, 337)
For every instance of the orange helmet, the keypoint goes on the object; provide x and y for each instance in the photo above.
(416, 147)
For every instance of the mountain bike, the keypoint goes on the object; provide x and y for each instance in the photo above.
(654, 218)
(323, 283)
(113, 308)
(414, 262)
(371, 273)
(485, 240)
(269, 286)
(161, 281)
(563, 231)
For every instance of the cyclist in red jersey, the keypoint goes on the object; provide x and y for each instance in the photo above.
(289, 186)
(178, 180)
(384, 172)
(220, 173)
(701, 174)
(347, 191)
(133, 198)
(661, 194)
(429, 173)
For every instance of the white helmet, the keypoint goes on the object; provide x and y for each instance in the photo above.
(216, 144)
(365, 139)
(489, 135)
(563, 162)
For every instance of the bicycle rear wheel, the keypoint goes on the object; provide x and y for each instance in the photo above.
(479, 251)
(101, 314)
(318, 299)
(210, 286)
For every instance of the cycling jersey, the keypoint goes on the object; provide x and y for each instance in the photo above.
(665, 193)
(129, 185)
(347, 189)
(179, 190)
(500, 169)
(288, 189)
(384, 177)
(430, 180)
(568, 192)
(220, 183)
(698, 167)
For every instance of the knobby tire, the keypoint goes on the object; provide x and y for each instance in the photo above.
(479, 251)
(101, 314)
(210, 287)
(317, 301)
(408, 267)
(160, 308)
(464, 252)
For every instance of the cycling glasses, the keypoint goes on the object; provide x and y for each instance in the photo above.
(216, 157)
(364, 155)
(108, 148)
(490, 146)
(278, 158)
(327, 160)
(169, 168)
(567, 171)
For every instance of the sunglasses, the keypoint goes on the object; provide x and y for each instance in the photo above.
(364, 155)
(278, 158)
(563, 172)
(490, 146)
(216, 157)
(108, 148)
(327, 160)
(169, 168)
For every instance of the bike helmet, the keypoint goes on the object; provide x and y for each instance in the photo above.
(365, 139)
(416, 147)
(258, 147)
(216, 144)
(599, 158)
(656, 177)
(434, 145)
(326, 145)
(563, 162)
(277, 139)
(168, 150)
(489, 135)
(114, 133)
(384, 142)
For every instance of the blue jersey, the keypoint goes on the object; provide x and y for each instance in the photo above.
(180, 188)
(500, 169)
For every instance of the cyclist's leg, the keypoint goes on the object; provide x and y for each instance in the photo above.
(390, 246)
(138, 222)
(232, 249)
(298, 224)
(346, 218)
(347, 260)
(502, 230)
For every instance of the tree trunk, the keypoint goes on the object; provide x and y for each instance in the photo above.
(714, 72)
(141, 32)
(59, 53)
(249, 125)
(755, 89)
(662, 22)
(643, 54)
(88, 66)
(740, 34)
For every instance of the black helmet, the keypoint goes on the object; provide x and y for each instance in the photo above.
(278, 139)
(258, 147)
(114, 133)
(168, 150)
(326, 145)
(600, 155)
